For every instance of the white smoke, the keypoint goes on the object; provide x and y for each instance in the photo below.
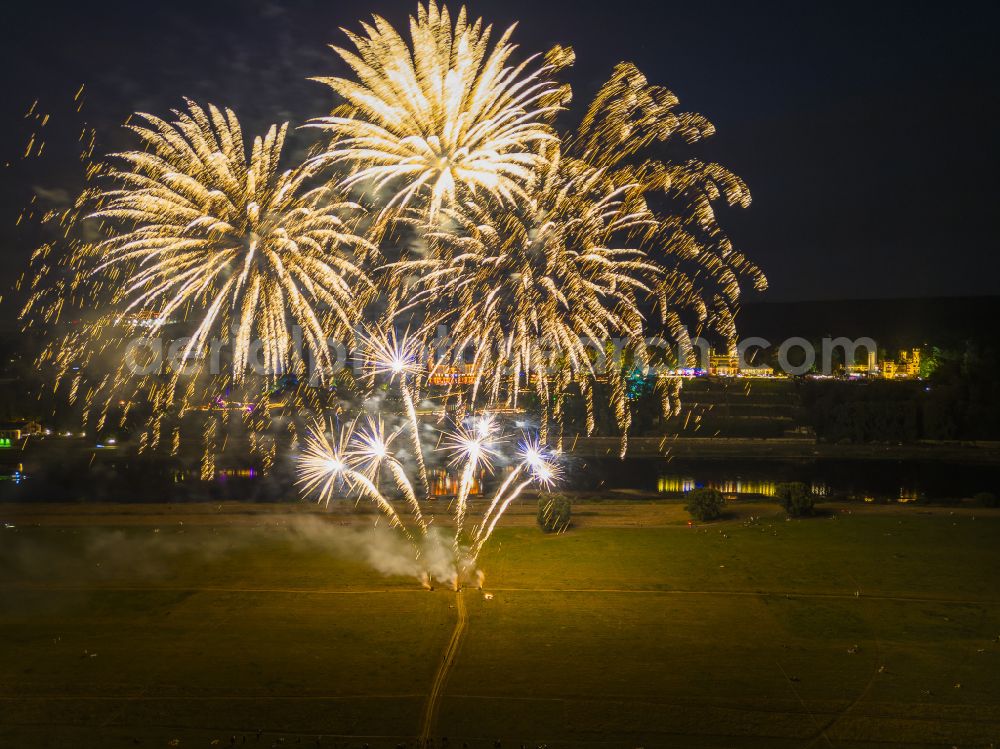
(384, 549)
(112, 553)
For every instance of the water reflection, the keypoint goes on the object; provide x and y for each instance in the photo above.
(444, 483)
(676, 485)
(732, 487)
(869, 481)
(221, 475)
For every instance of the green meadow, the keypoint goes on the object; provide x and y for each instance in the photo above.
(853, 629)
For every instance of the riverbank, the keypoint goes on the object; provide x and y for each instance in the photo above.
(785, 448)
(615, 509)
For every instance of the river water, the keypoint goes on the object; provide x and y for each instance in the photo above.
(872, 480)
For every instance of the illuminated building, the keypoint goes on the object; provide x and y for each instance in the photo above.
(13, 431)
(723, 365)
(868, 369)
(727, 365)
(451, 376)
(757, 370)
(905, 365)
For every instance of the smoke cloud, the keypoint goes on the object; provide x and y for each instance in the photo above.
(82, 555)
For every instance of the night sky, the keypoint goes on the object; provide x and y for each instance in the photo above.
(865, 130)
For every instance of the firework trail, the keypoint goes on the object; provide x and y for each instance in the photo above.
(326, 464)
(472, 448)
(400, 359)
(348, 464)
(370, 451)
(540, 466)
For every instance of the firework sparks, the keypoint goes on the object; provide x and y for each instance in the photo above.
(532, 290)
(325, 467)
(370, 451)
(443, 115)
(473, 449)
(211, 229)
(399, 358)
(701, 269)
(537, 290)
(323, 464)
(537, 250)
(349, 465)
(200, 233)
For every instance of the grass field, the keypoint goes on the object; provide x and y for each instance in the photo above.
(866, 628)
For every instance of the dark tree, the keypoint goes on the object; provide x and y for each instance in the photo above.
(796, 498)
(705, 503)
(554, 512)
(986, 499)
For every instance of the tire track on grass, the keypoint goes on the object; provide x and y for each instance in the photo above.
(444, 668)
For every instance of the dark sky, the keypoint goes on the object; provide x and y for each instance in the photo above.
(866, 131)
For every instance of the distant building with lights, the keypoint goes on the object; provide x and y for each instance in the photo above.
(757, 370)
(868, 369)
(727, 365)
(12, 432)
(450, 376)
(723, 365)
(905, 366)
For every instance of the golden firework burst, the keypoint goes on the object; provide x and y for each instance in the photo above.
(535, 291)
(200, 225)
(444, 115)
(241, 269)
